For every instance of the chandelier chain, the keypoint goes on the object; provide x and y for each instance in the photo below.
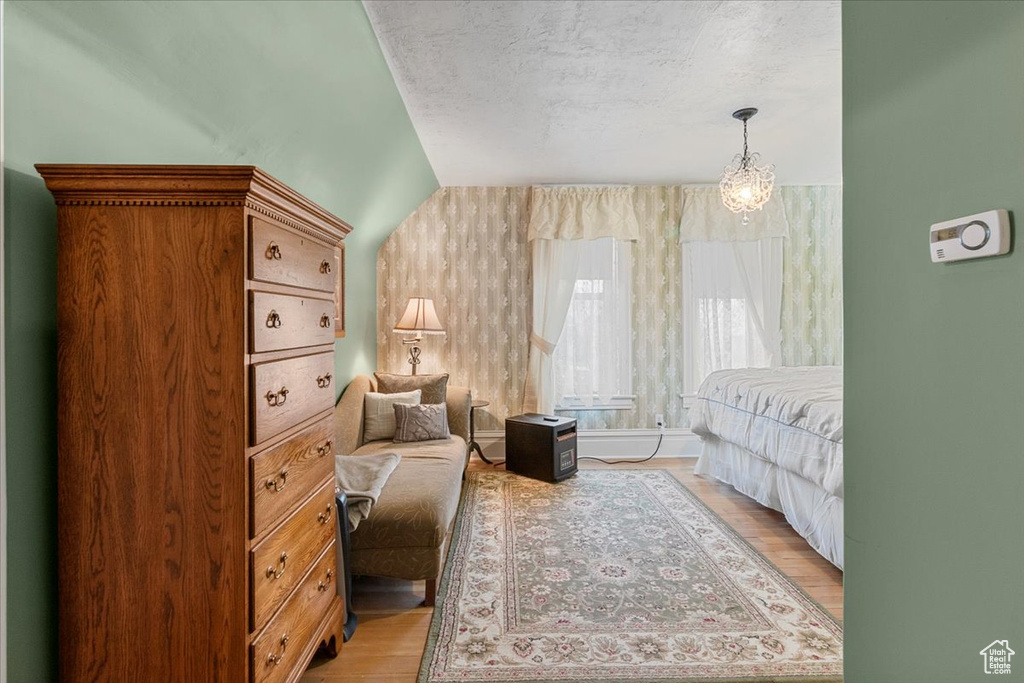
(746, 156)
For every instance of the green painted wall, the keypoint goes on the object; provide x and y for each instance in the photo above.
(299, 89)
(933, 129)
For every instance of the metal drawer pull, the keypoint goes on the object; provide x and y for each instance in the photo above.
(273, 319)
(325, 320)
(324, 448)
(282, 478)
(277, 399)
(324, 516)
(324, 381)
(325, 584)
(278, 573)
(273, 251)
(325, 267)
(273, 659)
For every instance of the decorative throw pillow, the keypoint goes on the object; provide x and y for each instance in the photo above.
(379, 413)
(434, 387)
(421, 422)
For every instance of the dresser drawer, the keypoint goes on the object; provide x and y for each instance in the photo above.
(287, 258)
(280, 321)
(279, 649)
(284, 475)
(286, 392)
(279, 562)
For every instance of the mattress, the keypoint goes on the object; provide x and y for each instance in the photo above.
(789, 417)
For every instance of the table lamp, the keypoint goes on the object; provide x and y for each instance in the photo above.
(419, 319)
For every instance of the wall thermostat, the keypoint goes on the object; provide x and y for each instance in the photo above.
(983, 234)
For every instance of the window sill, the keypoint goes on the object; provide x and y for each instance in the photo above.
(616, 403)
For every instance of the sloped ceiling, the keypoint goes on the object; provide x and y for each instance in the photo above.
(522, 92)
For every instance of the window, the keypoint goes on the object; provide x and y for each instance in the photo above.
(732, 295)
(594, 356)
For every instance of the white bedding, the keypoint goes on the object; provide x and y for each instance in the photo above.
(777, 435)
(792, 417)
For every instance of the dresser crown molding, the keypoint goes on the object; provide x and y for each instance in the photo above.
(187, 185)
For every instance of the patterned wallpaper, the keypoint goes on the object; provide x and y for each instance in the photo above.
(812, 285)
(466, 248)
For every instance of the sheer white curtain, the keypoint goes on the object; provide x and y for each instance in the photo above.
(555, 263)
(562, 221)
(593, 360)
(732, 301)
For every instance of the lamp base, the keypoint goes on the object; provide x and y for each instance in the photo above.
(414, 352)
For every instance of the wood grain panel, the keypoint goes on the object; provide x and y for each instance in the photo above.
(278, 652)
(339, 292)
(288, 258)
(286, 392)
(151, 484)
(285, 474)
(280, 321)
(279, 561)
(155, 413)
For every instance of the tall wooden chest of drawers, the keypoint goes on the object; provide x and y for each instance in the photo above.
(196, 515)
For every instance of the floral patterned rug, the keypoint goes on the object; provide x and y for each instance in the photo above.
(615, 575)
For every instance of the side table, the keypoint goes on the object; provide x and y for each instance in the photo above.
(473, 445)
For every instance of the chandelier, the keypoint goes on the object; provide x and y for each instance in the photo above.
(745, 186)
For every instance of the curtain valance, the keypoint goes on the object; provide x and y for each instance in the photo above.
(582, 213)
(705, 219)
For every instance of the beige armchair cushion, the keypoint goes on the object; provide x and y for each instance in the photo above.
(418, 502)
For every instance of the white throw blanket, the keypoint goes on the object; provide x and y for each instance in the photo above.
(362, 477)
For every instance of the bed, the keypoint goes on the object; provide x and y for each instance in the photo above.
(776, 435)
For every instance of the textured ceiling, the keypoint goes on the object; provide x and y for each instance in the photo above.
(522, 92)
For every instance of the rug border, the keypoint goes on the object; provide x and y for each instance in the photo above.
(739, 537)
(442, 589)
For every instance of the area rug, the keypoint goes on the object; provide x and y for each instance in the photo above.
(615, 575)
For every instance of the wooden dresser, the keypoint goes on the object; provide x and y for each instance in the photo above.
(196, 514)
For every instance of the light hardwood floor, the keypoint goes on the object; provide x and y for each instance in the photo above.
(393, 623)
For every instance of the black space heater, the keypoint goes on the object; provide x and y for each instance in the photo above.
(541, 446)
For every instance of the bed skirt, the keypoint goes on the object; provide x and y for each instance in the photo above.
(814, 513)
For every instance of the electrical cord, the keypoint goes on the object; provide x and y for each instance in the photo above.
(661, 436)
(657, 448)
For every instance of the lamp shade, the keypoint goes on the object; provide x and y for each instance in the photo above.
(420, 317)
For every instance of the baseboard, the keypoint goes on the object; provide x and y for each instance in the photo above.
(604, 443)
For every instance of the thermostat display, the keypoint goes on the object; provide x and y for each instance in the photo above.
(983, 234)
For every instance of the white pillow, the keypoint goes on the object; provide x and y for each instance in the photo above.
(379, 413)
